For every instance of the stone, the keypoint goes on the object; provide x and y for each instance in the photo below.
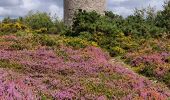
(71, 6)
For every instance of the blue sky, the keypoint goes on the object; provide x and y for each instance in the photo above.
(15, 8)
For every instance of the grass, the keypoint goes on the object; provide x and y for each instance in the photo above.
(99, 86)
(10, 65)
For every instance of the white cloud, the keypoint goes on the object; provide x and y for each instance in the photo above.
(56, 11)
(4, 11)
(6, 3)
(122, 11)
(30, 4)
(126, 7)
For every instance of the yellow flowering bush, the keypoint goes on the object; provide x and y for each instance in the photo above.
(12, 27)
(41, 30)
(76, 42)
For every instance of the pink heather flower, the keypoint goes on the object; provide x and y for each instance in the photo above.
(102, 98)
(64, 75)
(64, 95)
(9, 37)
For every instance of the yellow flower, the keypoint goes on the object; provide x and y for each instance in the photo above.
(94, 44)
(118, 50)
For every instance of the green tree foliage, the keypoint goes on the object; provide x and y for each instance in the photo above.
(163, 17)
(142, 23)
(92, 22)
(8, 20)
(58, 27)
(85, 21)
(38, 20)
(151, 15)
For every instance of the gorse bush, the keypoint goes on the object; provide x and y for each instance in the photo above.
(139, 27)
(12, 27)
(115, 33)
(92, 22)
(107, 31)
(141, 24)
(45, 40)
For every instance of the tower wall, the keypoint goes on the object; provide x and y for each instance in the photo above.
(71, 6)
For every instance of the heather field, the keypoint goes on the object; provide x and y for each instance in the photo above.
(99, 57)
(30, 70)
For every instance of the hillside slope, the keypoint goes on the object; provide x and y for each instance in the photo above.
(34, 67)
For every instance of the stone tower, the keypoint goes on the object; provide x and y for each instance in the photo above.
(71, 6)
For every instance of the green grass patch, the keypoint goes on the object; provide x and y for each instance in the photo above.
(45, 97)
(102, 87)
(10, 65)
(18, 46)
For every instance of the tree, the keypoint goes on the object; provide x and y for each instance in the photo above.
(151, 14)
(163, 17)
(38, 20)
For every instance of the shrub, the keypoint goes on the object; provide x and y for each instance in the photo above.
(76, 43)
(86, 35)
